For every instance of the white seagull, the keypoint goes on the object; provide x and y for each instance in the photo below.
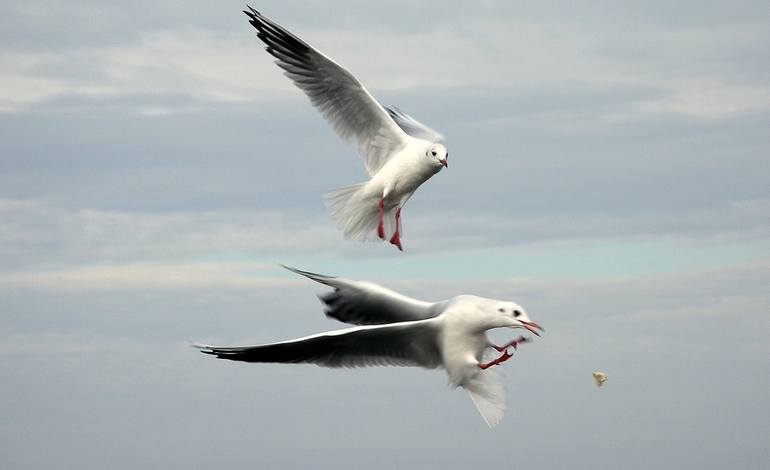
(396, 330)
(399, 152)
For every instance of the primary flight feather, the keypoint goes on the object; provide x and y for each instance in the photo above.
(400, 153)
(397, 330)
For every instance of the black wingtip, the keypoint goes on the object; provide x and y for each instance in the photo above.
(314, 276)
(294, 270)
(204, 348)
(255, 17)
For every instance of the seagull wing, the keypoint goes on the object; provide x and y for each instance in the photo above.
(399, 344)
(335, 92)
(366, 303)
(414, 127)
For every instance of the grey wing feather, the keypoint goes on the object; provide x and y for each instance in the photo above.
(403, 344)
(335, 92)
(366, 303)
(413, 127)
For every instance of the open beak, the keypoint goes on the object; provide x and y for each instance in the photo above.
(444, 162)
(530, 326)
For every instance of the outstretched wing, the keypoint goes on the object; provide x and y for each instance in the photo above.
(366, 303)
(414, 127)
(400, 344)
(335, 92)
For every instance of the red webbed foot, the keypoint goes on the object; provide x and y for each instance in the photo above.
(380, 226)
(515, 343)
(396, 240)
(504, 357)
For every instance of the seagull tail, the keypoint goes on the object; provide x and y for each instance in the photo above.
(487, 392)
(356, 214)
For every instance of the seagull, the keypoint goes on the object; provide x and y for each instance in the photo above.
(396, 330)
(400, 153)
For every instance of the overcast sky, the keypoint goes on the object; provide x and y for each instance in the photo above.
(610, 171)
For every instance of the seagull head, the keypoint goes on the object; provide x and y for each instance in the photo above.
(512, 315)
(438, 154)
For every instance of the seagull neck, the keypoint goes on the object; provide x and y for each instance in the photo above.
(490, 323)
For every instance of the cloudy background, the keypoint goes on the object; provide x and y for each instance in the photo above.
(610, 171)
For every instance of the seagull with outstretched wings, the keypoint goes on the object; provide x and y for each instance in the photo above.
(400, 153)
(396, 330)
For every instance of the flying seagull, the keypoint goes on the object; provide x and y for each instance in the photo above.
(400, 153)
(396, 330)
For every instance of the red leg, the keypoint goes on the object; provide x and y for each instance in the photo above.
(396, 238)
(504, 357)
(380, 227)
(513, 343)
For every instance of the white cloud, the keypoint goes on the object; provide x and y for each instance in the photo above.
(208, 65)
(61, 344)
(37, 234)
(149, 275)
(731, 222)
(692, 69)
(709, 99)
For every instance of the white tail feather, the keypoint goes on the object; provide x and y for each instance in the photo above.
(487, 391)
(356, 214)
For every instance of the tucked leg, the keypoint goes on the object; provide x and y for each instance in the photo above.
(380, 227)
(396, 238)
(504, 357)
(513, 343)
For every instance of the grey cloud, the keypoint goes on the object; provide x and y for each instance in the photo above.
(37, 234)
(154, 165)
(42, 26)
(560, 161)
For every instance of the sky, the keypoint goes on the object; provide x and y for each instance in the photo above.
(610, 171)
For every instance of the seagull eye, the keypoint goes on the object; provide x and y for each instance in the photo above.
(516, 313)
(433, 152)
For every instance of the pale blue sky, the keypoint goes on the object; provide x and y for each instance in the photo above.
(610, 171)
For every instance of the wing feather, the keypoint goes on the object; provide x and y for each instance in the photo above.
(366, 303)
(336, 93)
(403, 344)
(413, 127)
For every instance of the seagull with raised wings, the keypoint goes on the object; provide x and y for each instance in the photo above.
(399, 152)
(397, 330)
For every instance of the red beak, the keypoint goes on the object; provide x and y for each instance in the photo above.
(444, 162)
(530, 326)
